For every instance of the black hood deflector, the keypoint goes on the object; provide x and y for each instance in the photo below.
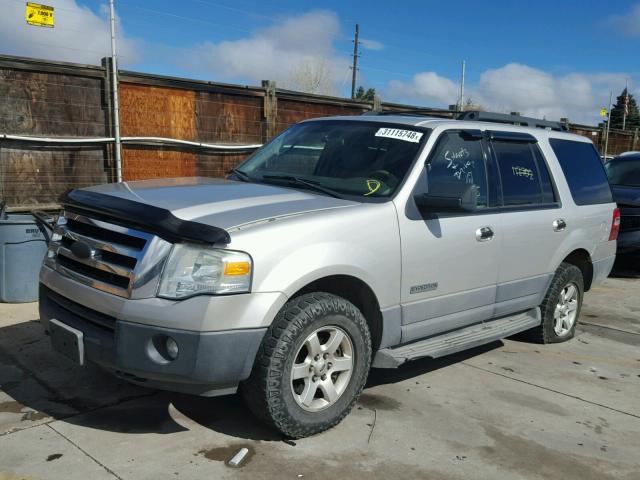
(147, 217)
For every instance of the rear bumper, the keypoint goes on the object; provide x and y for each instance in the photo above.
(208, 363)
(629, 242)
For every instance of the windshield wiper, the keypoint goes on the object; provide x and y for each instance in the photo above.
(241, 175)
(306, 183)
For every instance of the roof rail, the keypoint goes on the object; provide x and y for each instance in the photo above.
(512, 119)
(408, 112)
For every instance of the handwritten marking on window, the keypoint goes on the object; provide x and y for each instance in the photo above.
(373, 186)
(459, 165)
(522, 172)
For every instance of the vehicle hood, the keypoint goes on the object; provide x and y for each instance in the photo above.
(626, 196)
(221, 203)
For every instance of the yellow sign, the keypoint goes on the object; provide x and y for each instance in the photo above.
(39, 15)
(603, 112)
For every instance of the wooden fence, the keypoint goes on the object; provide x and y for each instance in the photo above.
(55, 99)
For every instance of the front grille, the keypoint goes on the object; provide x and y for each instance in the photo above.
(100, 254)
(91, 272)
(630, 222)
(77, 311)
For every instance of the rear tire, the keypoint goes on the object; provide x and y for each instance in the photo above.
(311, 366)
(560, 308)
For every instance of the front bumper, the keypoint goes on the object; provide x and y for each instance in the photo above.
(208, 363)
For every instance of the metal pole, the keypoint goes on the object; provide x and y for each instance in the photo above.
(606, 140)
(355, 62)
(114, 86)
(462, 88)
(624, 111)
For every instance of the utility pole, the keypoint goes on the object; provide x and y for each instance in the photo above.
(462, 87)
(625, 112)
(114, 86)
(606, 140)
(355, 62)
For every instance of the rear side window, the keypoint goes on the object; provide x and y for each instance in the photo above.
(525, 179)
(583, 170)
(548, 192)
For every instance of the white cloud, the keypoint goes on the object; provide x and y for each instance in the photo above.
(278, 52)
(628, 24)
(427, 87)
(80, 35)
(371, 44)
(521, 88)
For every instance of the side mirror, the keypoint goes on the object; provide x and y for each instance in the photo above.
(449, 197)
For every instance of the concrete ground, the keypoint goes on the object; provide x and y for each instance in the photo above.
(508, 410)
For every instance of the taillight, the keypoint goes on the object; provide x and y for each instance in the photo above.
(615, 224)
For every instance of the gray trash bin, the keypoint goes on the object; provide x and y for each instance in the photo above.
(22, 248)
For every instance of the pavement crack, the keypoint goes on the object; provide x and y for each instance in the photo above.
(87, 454)
(575, 397)
(608, 328)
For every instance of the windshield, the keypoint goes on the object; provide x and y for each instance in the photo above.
(350, 158)
(624, 171)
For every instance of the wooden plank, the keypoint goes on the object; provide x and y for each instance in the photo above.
(157, 112)
(144, 162)
(51, 104)
(218, 165)
(36, 175)
(291, 112)
(233, 119)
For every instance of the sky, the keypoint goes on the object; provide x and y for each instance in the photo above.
(548, 59)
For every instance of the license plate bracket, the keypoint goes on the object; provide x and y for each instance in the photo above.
(67, 340)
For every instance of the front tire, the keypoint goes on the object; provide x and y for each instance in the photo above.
(561, 307)
(311, 366)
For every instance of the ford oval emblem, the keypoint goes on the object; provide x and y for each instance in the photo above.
(82, 250)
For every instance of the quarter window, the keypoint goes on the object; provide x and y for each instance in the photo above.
(583, 170)
(459, 158)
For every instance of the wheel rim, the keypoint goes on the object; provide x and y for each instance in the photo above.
(322, 368)
(566, 311)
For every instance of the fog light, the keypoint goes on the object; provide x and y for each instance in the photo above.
(172, 348)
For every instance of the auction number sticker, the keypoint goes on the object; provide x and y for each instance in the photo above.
(399, 134)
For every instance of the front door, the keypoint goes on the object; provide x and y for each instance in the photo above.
(450, 261)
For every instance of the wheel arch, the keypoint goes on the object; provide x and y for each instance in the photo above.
(582, 259)
(355, 291)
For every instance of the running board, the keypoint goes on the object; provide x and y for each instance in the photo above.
(458, 340)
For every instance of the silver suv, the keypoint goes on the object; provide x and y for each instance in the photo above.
(343, 244)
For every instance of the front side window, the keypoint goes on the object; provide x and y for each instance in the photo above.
(583, 170)
(364, 159)
(458, 158)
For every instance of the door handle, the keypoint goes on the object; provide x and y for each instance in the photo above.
(484, 234)
(559, 225)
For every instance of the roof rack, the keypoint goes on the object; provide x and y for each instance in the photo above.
(512, 119)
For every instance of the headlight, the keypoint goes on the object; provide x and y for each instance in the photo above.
(193, 270)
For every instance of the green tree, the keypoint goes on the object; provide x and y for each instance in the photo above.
(617, 112)
(365, 95)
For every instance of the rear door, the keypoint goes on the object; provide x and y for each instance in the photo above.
(450, 261)
(533, 226)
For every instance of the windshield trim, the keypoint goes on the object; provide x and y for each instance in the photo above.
(347, 196)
